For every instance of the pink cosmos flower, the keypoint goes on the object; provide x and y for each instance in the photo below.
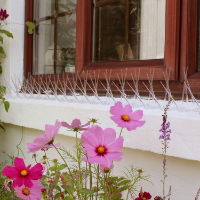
(124, 117)
(21, 174)
(3, 15)
(45, 141)
(101, 146)
(76, 125)
(27, 193)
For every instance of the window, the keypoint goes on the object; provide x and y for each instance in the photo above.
(154, 45)
(76, 36)
(54, 37)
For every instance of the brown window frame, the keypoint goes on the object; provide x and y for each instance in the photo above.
(159, 66)
(189, 47)
(83, 44)
(180, 54)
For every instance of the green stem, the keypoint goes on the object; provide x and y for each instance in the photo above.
(77, 153)
(97, 181)
(46, 158)
(121, 132)
(63, 160)
(18, 145)
(80, 184)
(86, 167)
(90, 171)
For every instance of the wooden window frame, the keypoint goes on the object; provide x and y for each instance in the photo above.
(83, 45)
(189, 47)
(159, 66)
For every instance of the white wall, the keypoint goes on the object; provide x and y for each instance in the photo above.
(142, 148)
(183, 175)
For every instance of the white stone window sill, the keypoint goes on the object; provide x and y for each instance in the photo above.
(35, 113)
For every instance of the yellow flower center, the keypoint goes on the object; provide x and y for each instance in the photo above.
(101, 150)
(24, 172)
(25, 191)
(126, 118)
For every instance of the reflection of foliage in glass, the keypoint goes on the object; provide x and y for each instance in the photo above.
(67, 31)
(67, 24)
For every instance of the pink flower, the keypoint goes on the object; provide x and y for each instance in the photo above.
(27, 193)
(124, 117)
(21, 174)
(101, 146)
(45, 141)
(3, 15)
(76, 125)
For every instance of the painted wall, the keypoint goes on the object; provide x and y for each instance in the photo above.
(142, 147)
(183, 174)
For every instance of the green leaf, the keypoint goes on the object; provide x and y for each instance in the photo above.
(1, 39)
(2, 50)
(31, 27)
(6, 105)
(2, 90)
(85, 191)
(61, 167)
(7, 33)
(57, 196)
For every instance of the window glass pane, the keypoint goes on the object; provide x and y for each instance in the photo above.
(66, 5)
(54, 42)
(66, 41)
(43, 61)
(128, 30)
(44, 8)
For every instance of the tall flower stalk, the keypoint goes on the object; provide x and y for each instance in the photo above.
(165, 138)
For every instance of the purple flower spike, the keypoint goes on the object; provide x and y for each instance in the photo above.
(166, 131)
(3, 15)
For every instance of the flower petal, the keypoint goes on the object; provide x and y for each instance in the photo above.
(10, 172)
(19, 163)
(114, 156)
(137, 115)
(116, 109)
(117, 145)
(17, 182)
(65, 124)
(76, 123)
(134, 124)
(36, 172)
(109, 136)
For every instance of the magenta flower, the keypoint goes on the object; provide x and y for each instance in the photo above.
(76, 125)
(33, 193)
(21, 174)
(3, 15)
(101, 146)
(124, 117)
(45, 141)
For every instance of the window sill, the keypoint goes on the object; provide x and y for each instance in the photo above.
(35, 113)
